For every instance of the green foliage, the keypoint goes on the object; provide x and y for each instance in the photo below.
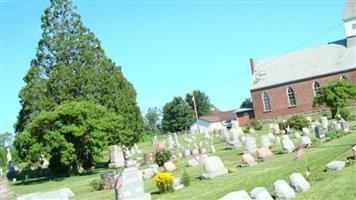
(331, 135)
(5, 140)
(97, 184)
(152, 119)
(297, 122)
(202, 102)
(73, 135)
(162, 156)
(336, 94)
(70, 65)
(177, 115)
(345, 114)
(247, 103)
(253, 123)
(185, 179)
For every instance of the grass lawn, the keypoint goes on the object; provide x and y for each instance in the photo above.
(324, 185)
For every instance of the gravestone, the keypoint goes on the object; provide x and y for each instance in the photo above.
(43, 162)
(202, 150)
(298, 182)
(148, 173)
(305, 131)
(297, 135)
(287, 144)
(202, 158)
(336, 165)
(324, 122)
(240, 195)
(248, 160)
(319, 133)
(169, 166)
(194, 151)
(344, 126)
(354, 152)
(149, 157)
(177, 184)
(265, 141)
(137, 149)
(264, 154)
(213, 168)
(129, 185)
(8, 155)
(260, 193)
(250, 144)
(305, 141)
(186, 153)
(271, 136)
(108, 179)
(192, 163)
(62, 194)
(130, 163)
(175, 140)
(169, 141)
(116, 157)
(283, 190)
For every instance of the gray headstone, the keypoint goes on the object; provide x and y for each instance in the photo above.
(283, 190)
(61, 194)
(305, 141)
(299, 183)
(336, 165)
(213, 168)
(287, 144)
(324, 122)
(192, 162)
(129, 185)
(240, 195)
(116, 157)
(260, 193)
(250, 144)
(265, 141)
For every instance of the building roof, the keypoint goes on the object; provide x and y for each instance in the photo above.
(303, 64)
(350, 10)
(219, 116)
(241, 110)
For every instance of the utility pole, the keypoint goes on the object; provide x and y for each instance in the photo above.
(195, 110)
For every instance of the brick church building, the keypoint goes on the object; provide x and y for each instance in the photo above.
(286, 84)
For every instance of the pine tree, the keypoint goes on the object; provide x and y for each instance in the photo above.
(177, 115)
(70, 65)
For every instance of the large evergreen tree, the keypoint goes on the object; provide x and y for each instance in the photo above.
(202, 102)
(177, 115)
(70, 65)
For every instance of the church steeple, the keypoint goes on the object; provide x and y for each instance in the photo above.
(350, 22)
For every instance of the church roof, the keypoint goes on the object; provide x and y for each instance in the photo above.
(303, 64)
(350, 10)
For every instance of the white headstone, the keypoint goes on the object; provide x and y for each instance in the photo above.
(265, 141)
(305, 141)
(61, 194)
(336, 165)
(271, 136)
(213, 168)
(175, 140)
(324, 122)
(192, 162)
(8, 155)
(260, 193)
(299, 183)
(116, 157)
(240, 195)
(283, 190)
(297, 135)
(169, 141)
(287, 144)
(250, 144)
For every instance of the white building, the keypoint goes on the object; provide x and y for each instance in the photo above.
(215, 121)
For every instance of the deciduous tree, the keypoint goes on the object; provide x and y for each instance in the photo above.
(177, 115)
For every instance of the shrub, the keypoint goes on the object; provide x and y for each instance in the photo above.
(164, 181)
(97, 184)
(298, 122)
(162, 156)
(345, 114)
(185, 179)
(253, 124)
(332, 135)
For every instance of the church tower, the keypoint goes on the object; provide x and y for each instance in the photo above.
(350, 22)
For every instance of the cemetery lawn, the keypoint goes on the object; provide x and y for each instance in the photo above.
(324, 185)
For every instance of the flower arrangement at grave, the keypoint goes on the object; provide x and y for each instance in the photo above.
(162, 156)
(164, 181)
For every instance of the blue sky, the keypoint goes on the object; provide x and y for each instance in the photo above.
(168, 48)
